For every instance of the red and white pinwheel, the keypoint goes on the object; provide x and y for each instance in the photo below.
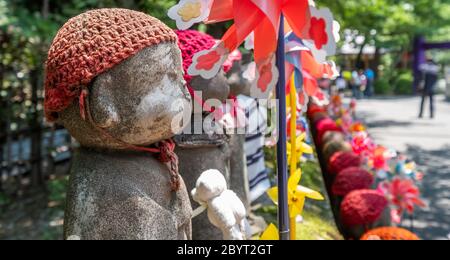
(403, 195)
(260, 17)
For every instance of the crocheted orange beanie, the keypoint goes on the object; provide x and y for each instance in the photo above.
(389, 233)
(92, 43)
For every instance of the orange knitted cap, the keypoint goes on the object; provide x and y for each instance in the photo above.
(92, 43)
(389, 233)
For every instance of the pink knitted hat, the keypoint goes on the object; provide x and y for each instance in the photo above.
(192, 42)
(351, 179)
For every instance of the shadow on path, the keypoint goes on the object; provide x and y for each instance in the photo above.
(393, 122)
(387, 123)
(433, 222)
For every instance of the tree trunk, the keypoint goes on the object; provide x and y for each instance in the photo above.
(45, 8)
(377, 62)
(36, 132)
(2, 124)
(359, 61)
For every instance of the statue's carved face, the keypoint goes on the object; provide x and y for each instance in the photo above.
(140, 101)
(239, 85)
(215, 88)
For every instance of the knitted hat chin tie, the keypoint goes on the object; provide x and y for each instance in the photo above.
(163, 149)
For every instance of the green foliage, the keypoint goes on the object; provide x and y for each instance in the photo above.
(312, 176)
(393, 23)
(269, 213)
(4, 200)
(404, 83)
(398, 82)
(158, 9)
(57, 190)
(270, 155)
(383, 87)
(4, 18)
(316, 227)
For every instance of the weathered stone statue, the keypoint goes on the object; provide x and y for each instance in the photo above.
(199, 150)
(114, 80)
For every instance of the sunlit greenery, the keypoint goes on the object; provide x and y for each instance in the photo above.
(391, 27)
(393, 23)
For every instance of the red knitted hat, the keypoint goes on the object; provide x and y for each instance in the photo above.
(351, 179)
(389, 233)
(343, 160)
(192, 42)
(313, 109)
(362, 207)
(92, 43)
(325, 125)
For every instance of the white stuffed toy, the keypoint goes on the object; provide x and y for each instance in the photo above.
(225, 210)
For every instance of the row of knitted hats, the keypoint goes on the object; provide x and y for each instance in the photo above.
(371, 188)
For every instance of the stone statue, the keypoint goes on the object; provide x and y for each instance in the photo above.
(204, 150)
(114, 80)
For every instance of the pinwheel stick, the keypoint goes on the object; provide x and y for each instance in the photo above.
(283, 210)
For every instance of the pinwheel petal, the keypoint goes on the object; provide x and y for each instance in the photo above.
(294, 180)
(267, 76)
(189, 12)
(296, 209)
(221, 11)
(309, 193)
(301, 138)
(306, 148)
(273, 194)
(298, 14)
(271, 233)
(208, 63)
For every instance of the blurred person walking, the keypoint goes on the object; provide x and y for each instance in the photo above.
(356, 84)
(363, 84)
(341, 84)
(370, 76)
(430, 71)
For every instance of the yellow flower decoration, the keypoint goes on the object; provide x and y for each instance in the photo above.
(295, 148)
(300, 146)
(410, 167)
(190, 11)
(271, 233)
(296, 195)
